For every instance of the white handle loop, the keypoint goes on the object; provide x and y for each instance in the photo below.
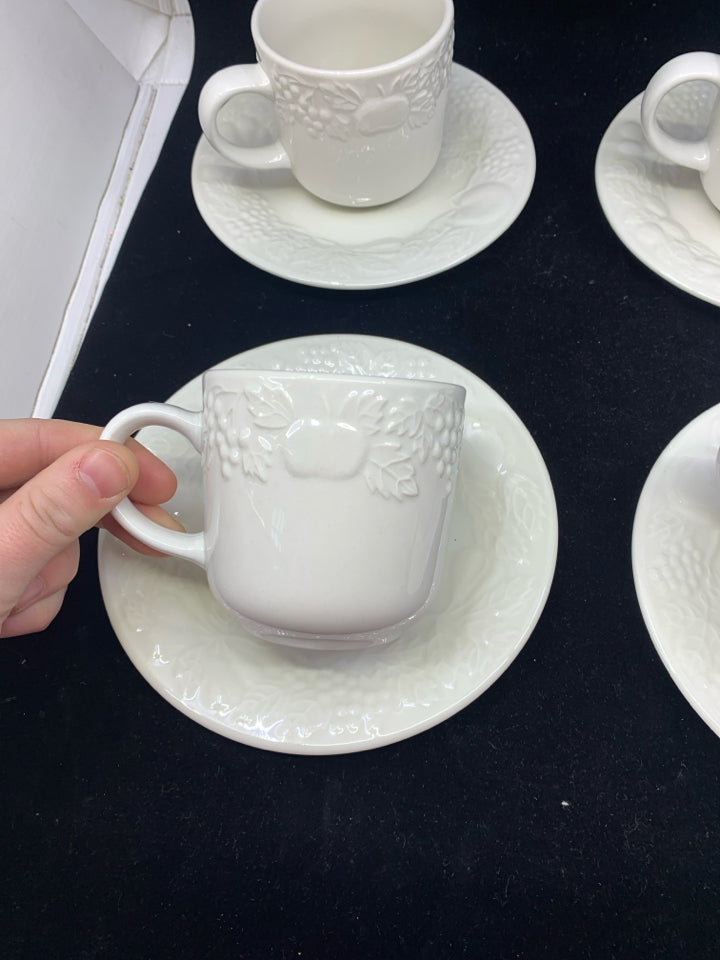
(188, 546)
(688, 66)
(223, 86)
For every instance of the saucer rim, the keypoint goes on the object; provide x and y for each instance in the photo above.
(486, 238)
(659, 469)
(631, 112)
(433, 716)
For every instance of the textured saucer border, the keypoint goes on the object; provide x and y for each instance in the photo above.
(498, 571)
(478, 189)
(675, 557)
(656, 208)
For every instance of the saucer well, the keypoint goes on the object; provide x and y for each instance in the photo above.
(496, 578)
(676, 562)
(657, 208)
(478, 188)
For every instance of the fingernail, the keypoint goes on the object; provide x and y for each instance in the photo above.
(104, 473)
(32, 592)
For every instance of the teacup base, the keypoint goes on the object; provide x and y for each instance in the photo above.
(318, 641)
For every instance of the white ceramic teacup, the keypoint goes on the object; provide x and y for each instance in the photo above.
(326, 498)
(359, 90)
(704, 154)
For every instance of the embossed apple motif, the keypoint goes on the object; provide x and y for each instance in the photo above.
(382, 114)
(337, 436)
(324, 447)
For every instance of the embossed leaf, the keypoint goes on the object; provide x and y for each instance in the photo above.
(339, 96)
(364, 410)
(339, 127)
(405, 419)
(255, 462)
(423, 443)
(484, 203)
(390, 472)
(420, 114)
(269, 405)
(435, 402)
(524, 505)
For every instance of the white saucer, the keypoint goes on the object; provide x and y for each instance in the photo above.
(497, 575)
(676, 562)
(658, 209)
(478, 188)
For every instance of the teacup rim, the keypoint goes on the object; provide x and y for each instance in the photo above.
(336, 377)
(354, 72)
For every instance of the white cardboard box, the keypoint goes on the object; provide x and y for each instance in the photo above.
(89, 90)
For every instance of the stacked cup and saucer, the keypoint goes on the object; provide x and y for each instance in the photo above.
(356, 153)
(658, 180)
(372, 531)
(657, 174)
(373, 537)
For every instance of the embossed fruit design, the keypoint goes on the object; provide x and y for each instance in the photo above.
(323, 447)
(340, 110)
(335, 435)
(381, 115)
(447, 423)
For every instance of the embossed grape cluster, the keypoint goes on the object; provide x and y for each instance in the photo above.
(222, 436)
(448, 428)
(256, 221)
(682, 568)
(315, 119)
(297, 106)
(502, 156)
(349, 356)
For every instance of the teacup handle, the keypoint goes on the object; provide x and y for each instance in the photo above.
(223, 86)
(188, 546)
(688, 66)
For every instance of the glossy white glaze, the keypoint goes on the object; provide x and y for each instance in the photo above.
(477, 189)
(703, 153)
(658, 208)
(326, 498)
(499, 565)
(676, 562)
(355, 128)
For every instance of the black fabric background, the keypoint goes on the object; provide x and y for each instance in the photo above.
(129, 831)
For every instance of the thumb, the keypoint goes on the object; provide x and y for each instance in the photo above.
(52, 509)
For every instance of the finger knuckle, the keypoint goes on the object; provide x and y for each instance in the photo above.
(46, 517)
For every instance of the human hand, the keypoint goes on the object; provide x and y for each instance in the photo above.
(57, 480)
